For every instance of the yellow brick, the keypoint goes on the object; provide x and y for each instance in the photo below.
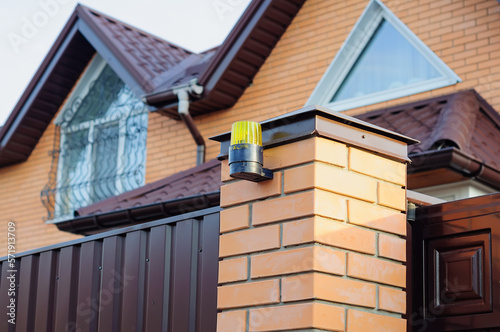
(299, 205)
(232, 321)
(377, 166)
(376, 217)
(234, 218)
(392, 196)
(297, 316)
(298, 260)
(360, 321)
(244, 191)
(235, 269)
(332, 179)
(304, 151)
(248, 294)
(249, 240)
(391, 299)
(373, 269)
(392, 247)
(328, 288)
(329, 232)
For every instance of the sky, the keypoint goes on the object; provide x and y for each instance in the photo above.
(28, 29)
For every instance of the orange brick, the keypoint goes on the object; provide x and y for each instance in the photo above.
(391, 196)
(332, 179)
(232, 321)
(298, 316)
(300, 205)
(328, 288)
(305, 259)
(234, 218)
(373, 269)
(250, 240)
(248, 294)
(233, 269)
(373, 216)
(392, 247)
(244, 191)
(329, 232)
(360, 321)
(391, 299)
(305, 151)
(377, 166)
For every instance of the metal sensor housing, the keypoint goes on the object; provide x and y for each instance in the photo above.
(246, 152)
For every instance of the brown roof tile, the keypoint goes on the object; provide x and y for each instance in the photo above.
(462, 120)
(203, 179)
(145, 56)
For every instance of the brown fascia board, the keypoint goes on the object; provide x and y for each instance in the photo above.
(228, 52)
(15, 117)
(456, 160)
(92, 224)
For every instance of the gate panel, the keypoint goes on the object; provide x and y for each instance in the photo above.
(456, 251)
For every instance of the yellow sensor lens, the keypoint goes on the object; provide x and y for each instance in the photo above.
(249, 132)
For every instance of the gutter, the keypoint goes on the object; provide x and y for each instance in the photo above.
(183, 109)
(457, 161)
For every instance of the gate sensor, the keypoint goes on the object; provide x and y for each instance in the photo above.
(246, 152)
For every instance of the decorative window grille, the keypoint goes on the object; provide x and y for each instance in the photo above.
(100, 144)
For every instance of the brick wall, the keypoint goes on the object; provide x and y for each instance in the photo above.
(20, 187)
(321, 246)
(465, 34)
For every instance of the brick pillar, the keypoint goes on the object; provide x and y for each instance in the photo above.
(322, 245)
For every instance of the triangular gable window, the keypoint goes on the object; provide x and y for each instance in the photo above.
(380, 60)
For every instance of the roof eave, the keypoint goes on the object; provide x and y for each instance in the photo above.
(91, 224)
(458, 161)
(10, 124)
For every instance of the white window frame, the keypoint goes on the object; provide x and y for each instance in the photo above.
(352, 48)
(82, 88)
(457, 190)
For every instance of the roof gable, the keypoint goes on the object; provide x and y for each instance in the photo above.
(137, 57)
(147, 64)
(381, 59)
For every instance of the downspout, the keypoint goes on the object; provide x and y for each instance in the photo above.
(183, 110)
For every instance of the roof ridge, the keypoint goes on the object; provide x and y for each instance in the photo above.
(456, 121)
(131, 27)
(141, 69)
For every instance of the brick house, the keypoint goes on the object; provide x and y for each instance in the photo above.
(83, 168)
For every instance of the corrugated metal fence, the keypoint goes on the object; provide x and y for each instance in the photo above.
(159, 276)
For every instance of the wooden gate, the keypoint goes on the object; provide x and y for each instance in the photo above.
(454, 274)
(157, 276)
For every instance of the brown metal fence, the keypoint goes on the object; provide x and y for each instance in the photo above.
(158, 276)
